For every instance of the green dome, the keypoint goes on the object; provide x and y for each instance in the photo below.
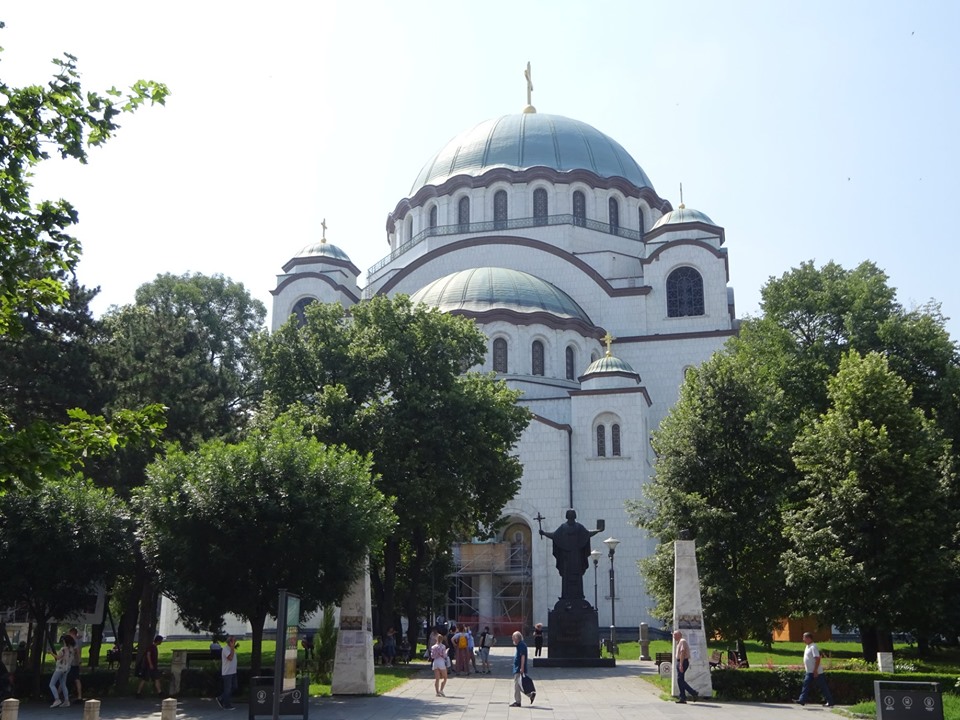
(492, 288)
(527, 140)
(609, 364)
(323, 249)
(683, 214)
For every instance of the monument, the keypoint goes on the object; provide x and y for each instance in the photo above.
(688, 617)
(353, 663)
(573, 628)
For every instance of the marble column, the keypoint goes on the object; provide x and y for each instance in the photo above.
(353, 663)
(688, 618)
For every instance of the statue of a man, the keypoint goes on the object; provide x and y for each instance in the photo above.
(571, 548)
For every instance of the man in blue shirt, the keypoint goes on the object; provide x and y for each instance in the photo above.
(519, 669)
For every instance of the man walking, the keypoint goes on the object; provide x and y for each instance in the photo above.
(228, 671)
(811, 668)
(681, 656)
(150, 670)
(519, 669)
(73, 677)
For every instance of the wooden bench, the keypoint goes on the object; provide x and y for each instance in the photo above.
(662, 658)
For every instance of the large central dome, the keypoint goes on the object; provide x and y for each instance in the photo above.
(531, 140)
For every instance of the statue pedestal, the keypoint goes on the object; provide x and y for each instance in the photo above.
(573, 637)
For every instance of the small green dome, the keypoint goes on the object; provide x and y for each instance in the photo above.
(323, 249)
(609, 364)
(492, 288)
(683, 214)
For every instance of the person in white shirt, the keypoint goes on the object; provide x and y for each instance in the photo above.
(811, 668)
(228, 670)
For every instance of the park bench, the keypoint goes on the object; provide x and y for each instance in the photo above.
(662, 658)
(716, 659)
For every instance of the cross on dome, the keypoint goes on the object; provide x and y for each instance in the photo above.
(528, 74)
(608, 339)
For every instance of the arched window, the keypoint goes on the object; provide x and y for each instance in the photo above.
(463, 214)
(300, 310)
(500, 209)
(601, 441)
(615, 440)
(500, 355)
(571, 364)
(684, 293)
(640, 219)
(536, 352)
(433, 216)
(579, 209)
(540, 207)
(614, 215)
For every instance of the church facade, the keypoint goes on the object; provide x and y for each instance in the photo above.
(596, 296)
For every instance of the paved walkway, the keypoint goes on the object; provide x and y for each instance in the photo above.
(562, 694)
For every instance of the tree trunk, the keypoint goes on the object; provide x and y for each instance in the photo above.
(386, 604)
(128, 626)
(256, 634)
(884, 640)
(96, 640)
(37, 654)
(868, 640)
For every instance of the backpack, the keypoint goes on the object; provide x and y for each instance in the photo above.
(462, 642)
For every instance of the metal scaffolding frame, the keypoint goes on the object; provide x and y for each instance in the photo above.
(509, 567)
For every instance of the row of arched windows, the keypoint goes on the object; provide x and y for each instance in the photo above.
(541, 211)
(537, 364)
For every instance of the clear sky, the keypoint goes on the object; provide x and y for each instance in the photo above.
(807, 129)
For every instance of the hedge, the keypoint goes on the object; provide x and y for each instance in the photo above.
(782, 684)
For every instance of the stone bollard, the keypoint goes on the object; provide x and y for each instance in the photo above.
(168, 709)
(91, 710)
(644, 641)
(11, 708)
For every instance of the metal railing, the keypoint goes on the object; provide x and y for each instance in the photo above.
(510, 224)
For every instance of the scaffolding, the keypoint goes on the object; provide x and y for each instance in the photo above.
(507, 569)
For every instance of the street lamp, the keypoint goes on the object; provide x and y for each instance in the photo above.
(595, 556)
(612, 543)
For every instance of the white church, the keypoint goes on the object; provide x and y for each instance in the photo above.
(595, 296)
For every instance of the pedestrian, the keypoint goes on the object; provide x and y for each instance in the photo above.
(519, 669)
(73, 677)
(228, 673)
(390, 647)
(460, 644)
(537, 639)
(486, 640)
(58, 683)
(472, 650)
(438, 658)
(150, 670)
(681, 656)
(812, 672)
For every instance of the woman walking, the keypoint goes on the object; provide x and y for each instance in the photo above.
(438, 654)
(58, 683)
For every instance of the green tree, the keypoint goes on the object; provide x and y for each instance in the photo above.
(38, 255)
(226, 526)
(726, 487)
(870, 538)
(389, 380)
(185, 344)
(59, 542)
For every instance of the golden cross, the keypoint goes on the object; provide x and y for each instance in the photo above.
(608, 339)
(324, 226)
(528, 76)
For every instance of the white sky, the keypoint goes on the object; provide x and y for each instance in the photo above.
(807, 129)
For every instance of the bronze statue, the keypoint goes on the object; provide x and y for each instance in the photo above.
(571, 548)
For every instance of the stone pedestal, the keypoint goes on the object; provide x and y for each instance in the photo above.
(688, 618)
(353, 663)
(885, 662)
(573, 637)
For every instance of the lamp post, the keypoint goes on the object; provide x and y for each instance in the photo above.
(595, 556)
(612, 543)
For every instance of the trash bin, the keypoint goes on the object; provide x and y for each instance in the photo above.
(904, 700)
